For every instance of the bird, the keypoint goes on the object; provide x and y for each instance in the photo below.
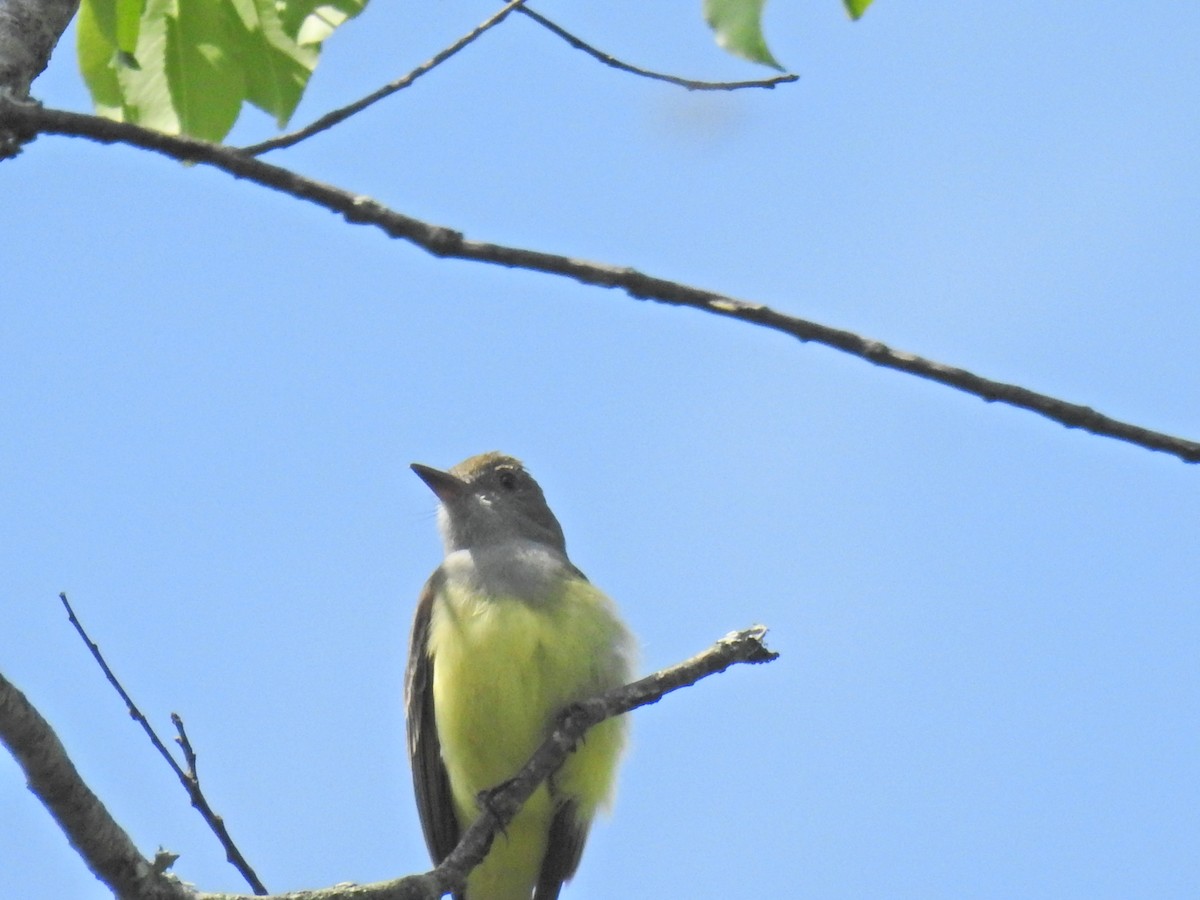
(507, 632)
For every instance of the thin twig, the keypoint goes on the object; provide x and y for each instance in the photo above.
(446, 242)
(134, 712)
(336, 116)
(188, 779)
(104, 845)
(189, 753)
(109, 852)
(691, 85)
(332, 118)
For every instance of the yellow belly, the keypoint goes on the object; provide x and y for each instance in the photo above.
(502, 668)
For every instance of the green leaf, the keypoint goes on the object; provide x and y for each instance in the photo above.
(281, 67)
(737, 25)
(206, 85)
(856, 8)
(96, 54)
(128, 24)
(145, 91)
(189, 65)
(117, 21)
(103, 14)
(312, 21)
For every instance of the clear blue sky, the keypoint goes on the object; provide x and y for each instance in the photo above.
(989, 683)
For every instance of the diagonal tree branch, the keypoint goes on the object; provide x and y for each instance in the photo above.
(446, 242)
(689, 83)
(189, 779)
(333, 117)
(109, 852)
(92, 831)
(336, 116)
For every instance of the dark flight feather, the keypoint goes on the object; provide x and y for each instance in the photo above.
(435, 802)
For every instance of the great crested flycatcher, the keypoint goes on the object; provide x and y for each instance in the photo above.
(508, 632)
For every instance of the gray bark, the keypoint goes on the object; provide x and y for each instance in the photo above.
(29, 31)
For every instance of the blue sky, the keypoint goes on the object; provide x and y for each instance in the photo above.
(989, 683)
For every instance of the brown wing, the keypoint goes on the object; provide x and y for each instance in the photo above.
(430, 782)
(567, 837)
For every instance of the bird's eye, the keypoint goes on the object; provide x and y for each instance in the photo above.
(508, 480)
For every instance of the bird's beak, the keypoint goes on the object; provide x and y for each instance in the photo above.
(447, 487)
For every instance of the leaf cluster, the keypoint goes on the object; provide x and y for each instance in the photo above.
(187, 66)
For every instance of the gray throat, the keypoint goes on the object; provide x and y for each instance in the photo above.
(523, 569)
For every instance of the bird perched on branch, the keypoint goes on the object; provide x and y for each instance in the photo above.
(507, 632)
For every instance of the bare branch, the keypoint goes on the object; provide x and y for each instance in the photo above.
(691, 85)
(339, 115)
(29, 32)
(189, 779)
(114, 859)
(189, 753)
(332, 118)
(92, 831)
(446, 242)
